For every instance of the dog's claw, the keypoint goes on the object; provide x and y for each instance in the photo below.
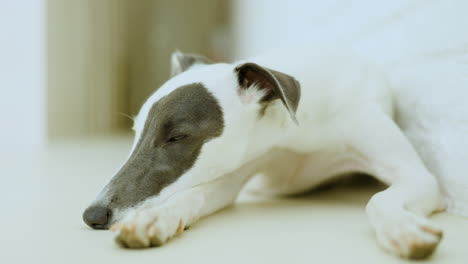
(180, 228)
(434, 231)
(152, 232)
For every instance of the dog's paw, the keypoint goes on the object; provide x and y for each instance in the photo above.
(147, 228)
(410, 237)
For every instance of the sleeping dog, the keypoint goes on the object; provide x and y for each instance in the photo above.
(294, 119)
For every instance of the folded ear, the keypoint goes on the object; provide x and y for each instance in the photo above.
(275, 85)
(182, 61)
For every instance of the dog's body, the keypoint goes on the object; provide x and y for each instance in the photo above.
(295, 120)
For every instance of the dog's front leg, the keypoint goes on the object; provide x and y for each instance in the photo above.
(153, 223)
(398, 213)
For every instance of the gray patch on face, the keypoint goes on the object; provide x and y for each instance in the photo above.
(175, 130)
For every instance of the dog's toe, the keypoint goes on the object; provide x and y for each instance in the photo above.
(412, 238)
(147, 229)
(127, 237)
(421, 250)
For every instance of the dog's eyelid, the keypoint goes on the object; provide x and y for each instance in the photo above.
(177, 137)
(179, 130)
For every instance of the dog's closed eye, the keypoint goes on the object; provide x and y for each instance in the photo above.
(176, 138)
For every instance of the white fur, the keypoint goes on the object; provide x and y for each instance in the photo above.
(346, 125)
(434, 115)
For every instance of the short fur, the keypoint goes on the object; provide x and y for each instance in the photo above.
(345, 111)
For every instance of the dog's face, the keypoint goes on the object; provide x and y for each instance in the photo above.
(194, 129)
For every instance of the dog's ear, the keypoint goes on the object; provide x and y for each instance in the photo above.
(182, 61)
(275, 85)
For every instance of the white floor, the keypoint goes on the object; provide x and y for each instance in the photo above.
(43, 196)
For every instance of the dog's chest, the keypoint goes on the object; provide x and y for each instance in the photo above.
(286, 172)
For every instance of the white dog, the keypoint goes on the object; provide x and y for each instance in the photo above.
(297, 118)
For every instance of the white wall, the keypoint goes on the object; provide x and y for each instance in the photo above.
(396, 32)
(22, 75)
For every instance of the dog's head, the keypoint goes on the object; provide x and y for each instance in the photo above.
(195, 128)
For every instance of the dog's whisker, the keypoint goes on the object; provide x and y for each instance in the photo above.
(131, 118)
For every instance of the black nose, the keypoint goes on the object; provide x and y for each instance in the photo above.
(97, 217)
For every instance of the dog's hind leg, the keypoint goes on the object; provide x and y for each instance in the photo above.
(398, 213)
(443, 147)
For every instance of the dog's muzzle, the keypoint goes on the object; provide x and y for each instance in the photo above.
(97, 217)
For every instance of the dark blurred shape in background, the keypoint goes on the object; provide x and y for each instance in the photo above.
(106, 57)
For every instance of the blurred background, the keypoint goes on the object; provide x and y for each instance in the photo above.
(72, 72)
(72, 68)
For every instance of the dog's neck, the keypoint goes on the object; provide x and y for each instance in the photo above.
(270, 131)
